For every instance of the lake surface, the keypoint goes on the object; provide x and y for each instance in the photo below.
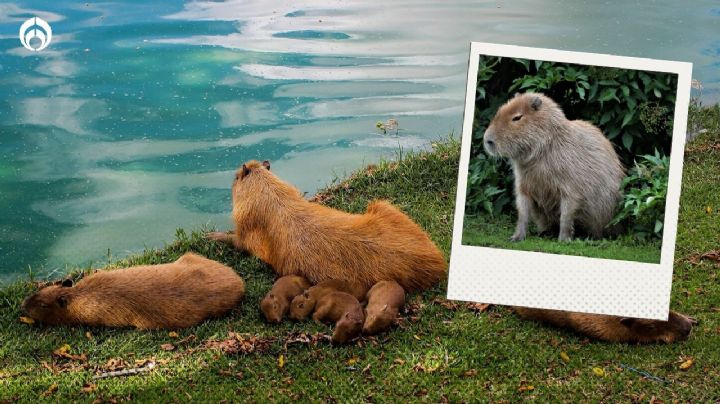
(132, 123)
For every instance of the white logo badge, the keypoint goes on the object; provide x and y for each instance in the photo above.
(29, 30)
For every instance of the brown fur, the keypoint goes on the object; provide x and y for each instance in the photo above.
(615, 329)
(566, 172)
(170, 296)
(302, 305)
(276, 303)
(295, 236)
(384, 299)
(344, 310)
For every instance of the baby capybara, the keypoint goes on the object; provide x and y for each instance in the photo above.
(384, 299)
(275, 223)
(303, 304)
(344, 310)
(613, 328)
(276, 303)
(566, 172)
(170, 296)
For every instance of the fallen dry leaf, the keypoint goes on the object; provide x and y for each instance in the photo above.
(52, 389)
(88, 388)
(598, 372)
(26, 320)
(478, 307)
(172, 334)
(88, 335)
(471, 373)
(281, 361)
(240, 343)
(564, 356)
(352, 360)
(687, 364)
(526, 387)
(64, 353)
(167, 347)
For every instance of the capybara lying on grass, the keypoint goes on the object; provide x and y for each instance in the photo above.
(344, 310)
(276, 303)
(169, 296)
(276, 224)
(304, 304)
(384, 299)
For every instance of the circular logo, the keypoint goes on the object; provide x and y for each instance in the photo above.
(35, 28)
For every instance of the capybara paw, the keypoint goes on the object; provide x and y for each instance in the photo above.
(216, 236)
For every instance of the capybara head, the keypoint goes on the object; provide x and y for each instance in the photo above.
(677, 328)
(273, 307)
(347, 328)
(49, 304)
(376, 322)
(519, 126)
(244, 173)
(301, 307)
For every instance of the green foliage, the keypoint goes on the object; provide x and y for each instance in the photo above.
(634, 109)
(644, 190)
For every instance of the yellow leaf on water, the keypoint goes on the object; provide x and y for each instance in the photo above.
(26, 320)
(598, 372)
(687, 364)
(281, 360)
(564, 356)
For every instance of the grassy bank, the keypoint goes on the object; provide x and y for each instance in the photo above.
(440, 350)
(495, 231)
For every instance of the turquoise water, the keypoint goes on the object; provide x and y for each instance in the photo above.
(133, 121)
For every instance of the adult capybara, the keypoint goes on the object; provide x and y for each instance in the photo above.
(566, 172)
(613, 328)
(170, 296)
(384, 299)
(344, 310)
(276, 303)
(276, 224)
(303, 304)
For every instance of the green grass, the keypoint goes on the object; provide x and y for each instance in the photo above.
(495, 231)
(439, 351)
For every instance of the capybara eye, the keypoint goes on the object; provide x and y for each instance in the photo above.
(517, 117)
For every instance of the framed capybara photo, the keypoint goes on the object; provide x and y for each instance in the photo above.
(569, 180)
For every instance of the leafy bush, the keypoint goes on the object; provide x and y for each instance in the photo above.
(645, 189)
(634, 109)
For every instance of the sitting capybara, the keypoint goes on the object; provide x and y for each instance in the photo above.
(276, 303)
(344, 310)
(170, 296)
(303, 304)
(566, 172)
(276, 224)
(613, 328)
(384, 299)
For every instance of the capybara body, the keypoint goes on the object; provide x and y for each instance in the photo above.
(344, 310)
(613, 328)
(303, 304)
(276, 224)
(384, 299)
(276, 303)
(168, 296)
(566, 172)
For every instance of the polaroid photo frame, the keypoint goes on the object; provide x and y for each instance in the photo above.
(554, 280)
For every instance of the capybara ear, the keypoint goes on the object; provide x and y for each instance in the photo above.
(245, 171)
(347, 315)
(62, 301)
(266, 164)
(67, 283)
(384, 308)
(627, 321)
(536, 103)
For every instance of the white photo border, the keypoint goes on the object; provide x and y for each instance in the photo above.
(563, 282)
